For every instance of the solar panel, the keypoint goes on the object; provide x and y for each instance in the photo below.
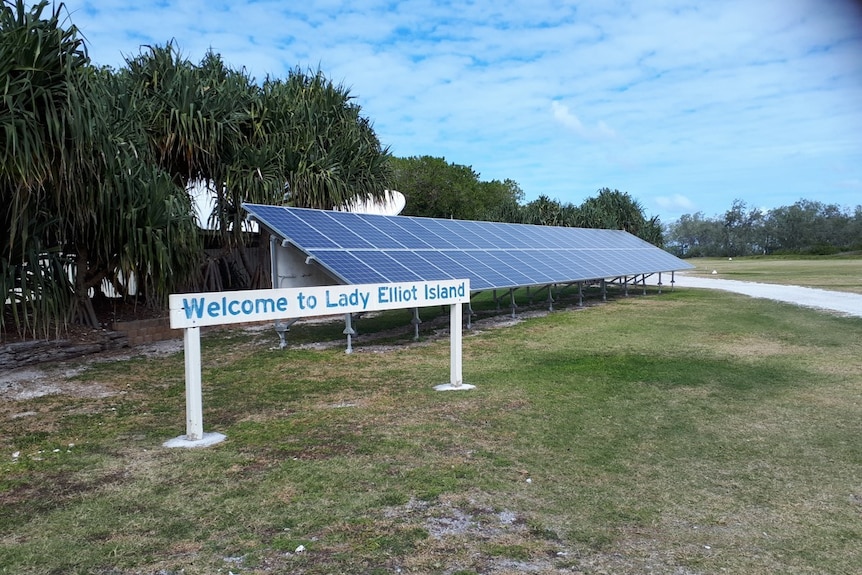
(366, 248)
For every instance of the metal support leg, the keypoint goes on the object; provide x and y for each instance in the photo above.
(580, 294)
(659, 283)
(416, 321)
(281, 328)
(349, 331)
(550, 299)
(604, 290)
(512, 300)
(470, 315)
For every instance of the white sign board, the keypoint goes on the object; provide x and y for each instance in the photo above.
(220, 308)
(190, 312)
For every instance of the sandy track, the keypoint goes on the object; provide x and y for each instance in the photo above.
(841, 302)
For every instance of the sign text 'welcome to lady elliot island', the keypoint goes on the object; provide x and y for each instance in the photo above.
(218, 308)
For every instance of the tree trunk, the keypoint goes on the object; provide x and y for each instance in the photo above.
(257, 273)
(84, 311)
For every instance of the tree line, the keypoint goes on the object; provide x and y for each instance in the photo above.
(806, 227)
(434, 187)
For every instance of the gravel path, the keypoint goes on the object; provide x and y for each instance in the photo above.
(841, 302)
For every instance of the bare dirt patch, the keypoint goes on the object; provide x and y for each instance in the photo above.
(58, 378)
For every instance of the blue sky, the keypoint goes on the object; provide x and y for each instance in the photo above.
(684, 105)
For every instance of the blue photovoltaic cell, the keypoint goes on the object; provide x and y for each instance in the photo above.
(498, 236)
(423, 267)
(575, 263)
(277, 218)
(407, 235)
(479, 268)
(365, 228)
(474, 234)
(534, 267)
(520, 235)
(366, 248)
(434, 232)
(346, 267)
(387, 266)
(500, 260)
(453, 267)
(330, 227)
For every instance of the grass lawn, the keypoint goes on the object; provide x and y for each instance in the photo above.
(682, 433)
(840, 273)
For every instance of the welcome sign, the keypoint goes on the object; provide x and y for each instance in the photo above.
(219, 308)
(193, 311)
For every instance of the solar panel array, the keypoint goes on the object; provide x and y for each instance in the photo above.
(366, 248)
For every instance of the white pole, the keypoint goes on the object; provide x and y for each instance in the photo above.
(194, 395)
(456, 379)
(195, 436)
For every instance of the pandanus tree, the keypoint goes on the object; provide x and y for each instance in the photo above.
(39, 62)
(131, 227)
(612, 209)
(199, 127)
(81, 201)
(545, 212)
(331, 152)
(211, 125)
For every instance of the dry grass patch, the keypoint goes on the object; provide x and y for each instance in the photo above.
(751, 347)
(839, 273)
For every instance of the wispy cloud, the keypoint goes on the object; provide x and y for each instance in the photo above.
(676, 203)
(599, 131)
